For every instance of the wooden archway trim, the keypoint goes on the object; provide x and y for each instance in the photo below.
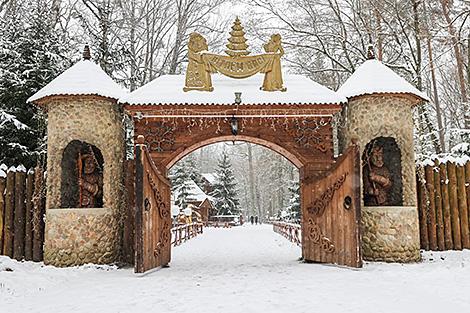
(270, 145)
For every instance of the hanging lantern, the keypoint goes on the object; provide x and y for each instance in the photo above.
(234, 125)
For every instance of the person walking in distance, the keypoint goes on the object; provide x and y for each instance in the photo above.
(252, 219)
(256, 220)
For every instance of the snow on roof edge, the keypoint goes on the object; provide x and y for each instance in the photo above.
(84, 78)
(168, 90)
(374, 77)
(387, 93)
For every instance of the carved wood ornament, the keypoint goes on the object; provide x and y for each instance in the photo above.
(159, 136)
(316, 236)
(164, 213)
(319, 205)
(307, 134)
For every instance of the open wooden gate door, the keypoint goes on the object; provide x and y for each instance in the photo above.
(331, 214)
(152, 216)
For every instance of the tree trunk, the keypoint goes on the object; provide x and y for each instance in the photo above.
(436, 96)
(458, 58)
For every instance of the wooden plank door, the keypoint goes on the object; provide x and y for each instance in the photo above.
(331, 214)
(152, 217)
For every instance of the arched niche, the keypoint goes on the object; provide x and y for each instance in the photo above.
(81, 161)
(382, 173)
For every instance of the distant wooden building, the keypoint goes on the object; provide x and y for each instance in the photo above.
(200, 200)
(208, 181)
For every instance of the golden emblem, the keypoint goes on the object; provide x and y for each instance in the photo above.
(236, 64)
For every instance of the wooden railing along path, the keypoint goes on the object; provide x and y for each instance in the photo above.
(22, 205)
(182, 233)
(288, 230)
(444, 205)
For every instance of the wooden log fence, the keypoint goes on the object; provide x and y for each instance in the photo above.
(444, 205)
(182, 233)
(290, 231)
(22, 208)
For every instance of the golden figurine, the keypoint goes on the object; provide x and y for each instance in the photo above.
(197, 74)
(236, 64)
(273, 78)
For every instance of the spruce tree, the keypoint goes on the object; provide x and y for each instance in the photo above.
(31, 55)
(292, 211)
(225, 191)
(180, 180)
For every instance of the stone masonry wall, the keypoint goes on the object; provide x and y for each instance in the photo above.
(97, 121)
(390, 234)
(79, 236)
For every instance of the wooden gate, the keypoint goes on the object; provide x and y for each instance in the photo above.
(331, 214)
(152, 216)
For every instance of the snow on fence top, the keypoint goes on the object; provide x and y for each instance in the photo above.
(168, 89)
(459, 155)
(5, 169)
(373, 77)
(83, 78)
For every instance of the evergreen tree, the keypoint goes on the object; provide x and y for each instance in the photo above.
(180, 180)
(191, 167)
(292, 211)
(225, 192)
(31, 55)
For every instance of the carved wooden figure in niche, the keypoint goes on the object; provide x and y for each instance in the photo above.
(377, 178)
(90, 181)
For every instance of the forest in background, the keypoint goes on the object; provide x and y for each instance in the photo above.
(135, 41)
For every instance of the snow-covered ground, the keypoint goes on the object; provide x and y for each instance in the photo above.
(244, 269)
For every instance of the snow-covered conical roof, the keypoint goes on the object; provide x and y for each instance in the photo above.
(373, 77)
(83, 78)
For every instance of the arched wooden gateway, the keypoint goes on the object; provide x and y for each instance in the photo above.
(248, 100)
(296, 123)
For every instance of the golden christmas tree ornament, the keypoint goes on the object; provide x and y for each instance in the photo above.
(238, 64)
(237, 45)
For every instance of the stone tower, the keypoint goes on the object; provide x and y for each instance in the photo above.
(378, 116)
(85, 154)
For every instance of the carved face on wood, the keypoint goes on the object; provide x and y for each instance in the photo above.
(377, 156)
(197, 43)
(89, 165)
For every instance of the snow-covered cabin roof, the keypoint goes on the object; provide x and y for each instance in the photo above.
(83, 78)
(168, 89)
(374, 77)
(210, 177)
(195, 193)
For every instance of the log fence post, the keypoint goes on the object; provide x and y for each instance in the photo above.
(431, 207)
(2, 206)
(28, 244)
(19, 215)
(37, 216)
(438, 203)
(448, 239)
(9, 213)
(462, 204)
(454, 207)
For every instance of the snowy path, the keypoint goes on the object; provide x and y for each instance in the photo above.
(244, 269)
